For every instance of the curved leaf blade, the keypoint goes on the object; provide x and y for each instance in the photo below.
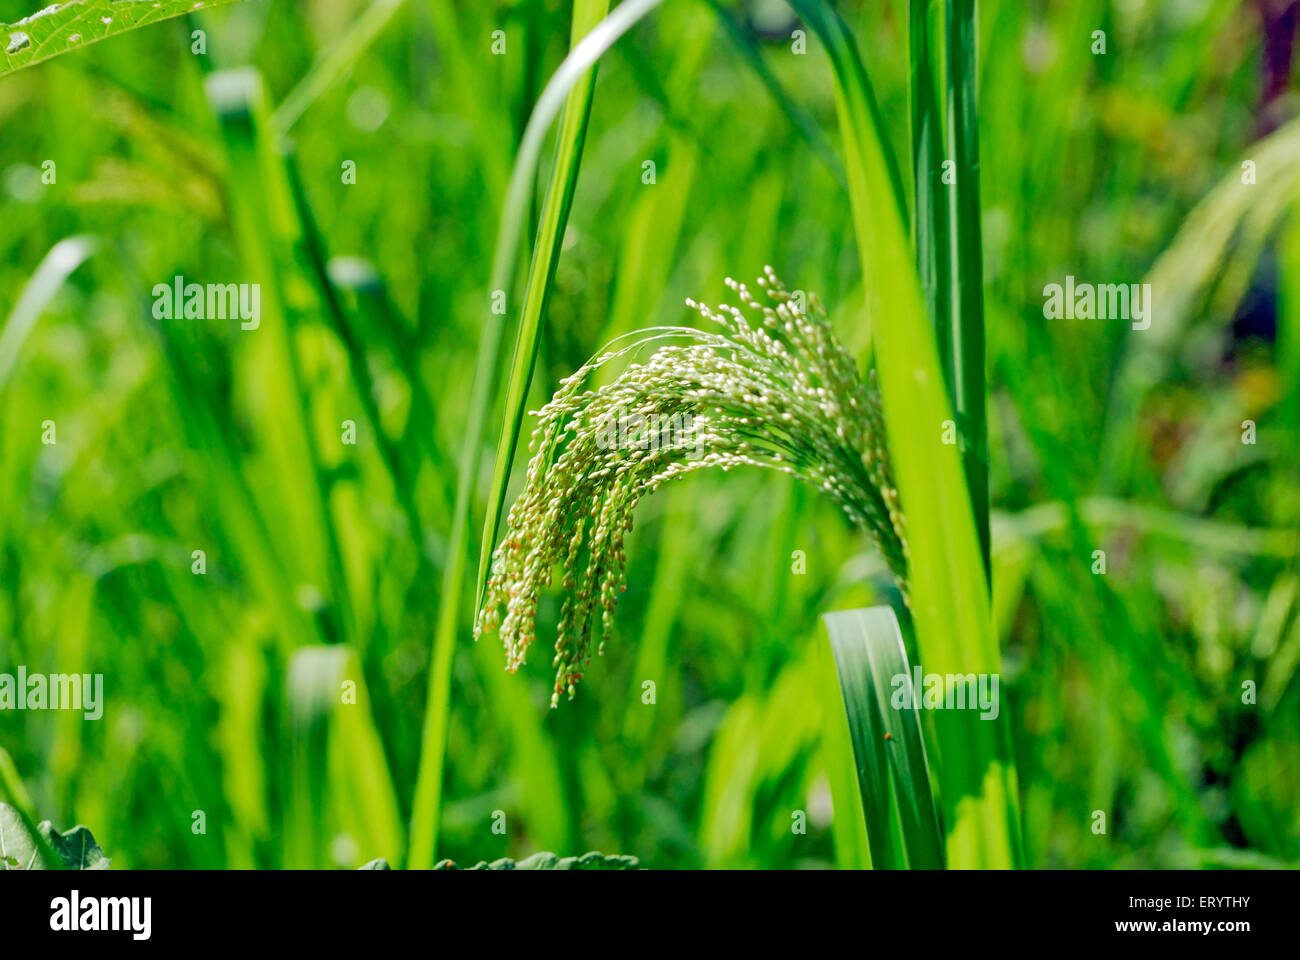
(64, 257)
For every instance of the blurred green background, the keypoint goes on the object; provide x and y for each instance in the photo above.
(323, 559)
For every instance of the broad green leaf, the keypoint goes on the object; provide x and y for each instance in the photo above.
(887, 742)
(61, 27)
(19, 849)
(16, 820)
(549, 861)
(849, 822)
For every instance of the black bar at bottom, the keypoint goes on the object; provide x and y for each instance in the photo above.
(506, 910)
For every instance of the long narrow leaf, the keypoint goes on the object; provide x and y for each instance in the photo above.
(966, 326)
(887, 742)
(541, 275)
(428, 790)
(799, 118)
(933, 253)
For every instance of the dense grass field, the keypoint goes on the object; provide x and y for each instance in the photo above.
(264, 530)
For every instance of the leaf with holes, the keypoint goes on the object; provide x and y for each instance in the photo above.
(549, 861)
(76, 849)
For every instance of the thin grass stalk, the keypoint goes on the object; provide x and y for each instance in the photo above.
(428, 790)
(269, 239)
(541, 274)
(583, 56)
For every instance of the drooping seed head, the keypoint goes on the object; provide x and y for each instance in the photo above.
(775, 390)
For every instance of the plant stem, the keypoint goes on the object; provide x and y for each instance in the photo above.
(965, 348)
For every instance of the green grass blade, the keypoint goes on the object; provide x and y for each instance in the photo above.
(354, 341)
(967, 295)
(1288, 339)
(799, 118)
(541, 274)
(933, 252)
(368, 297)
(63, 258)
(474, 100)
(59, 28)
(341, 782)
(950, 601)
(268, 234)
(1181, 276)
(336, 62)
(425, 813)
(888, 745)
(849, 819)
(583, 56)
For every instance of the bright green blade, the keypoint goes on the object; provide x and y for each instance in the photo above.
(1181, 276)
(1289, 359)
(341, 782)
(888, 746)
(849, 821)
